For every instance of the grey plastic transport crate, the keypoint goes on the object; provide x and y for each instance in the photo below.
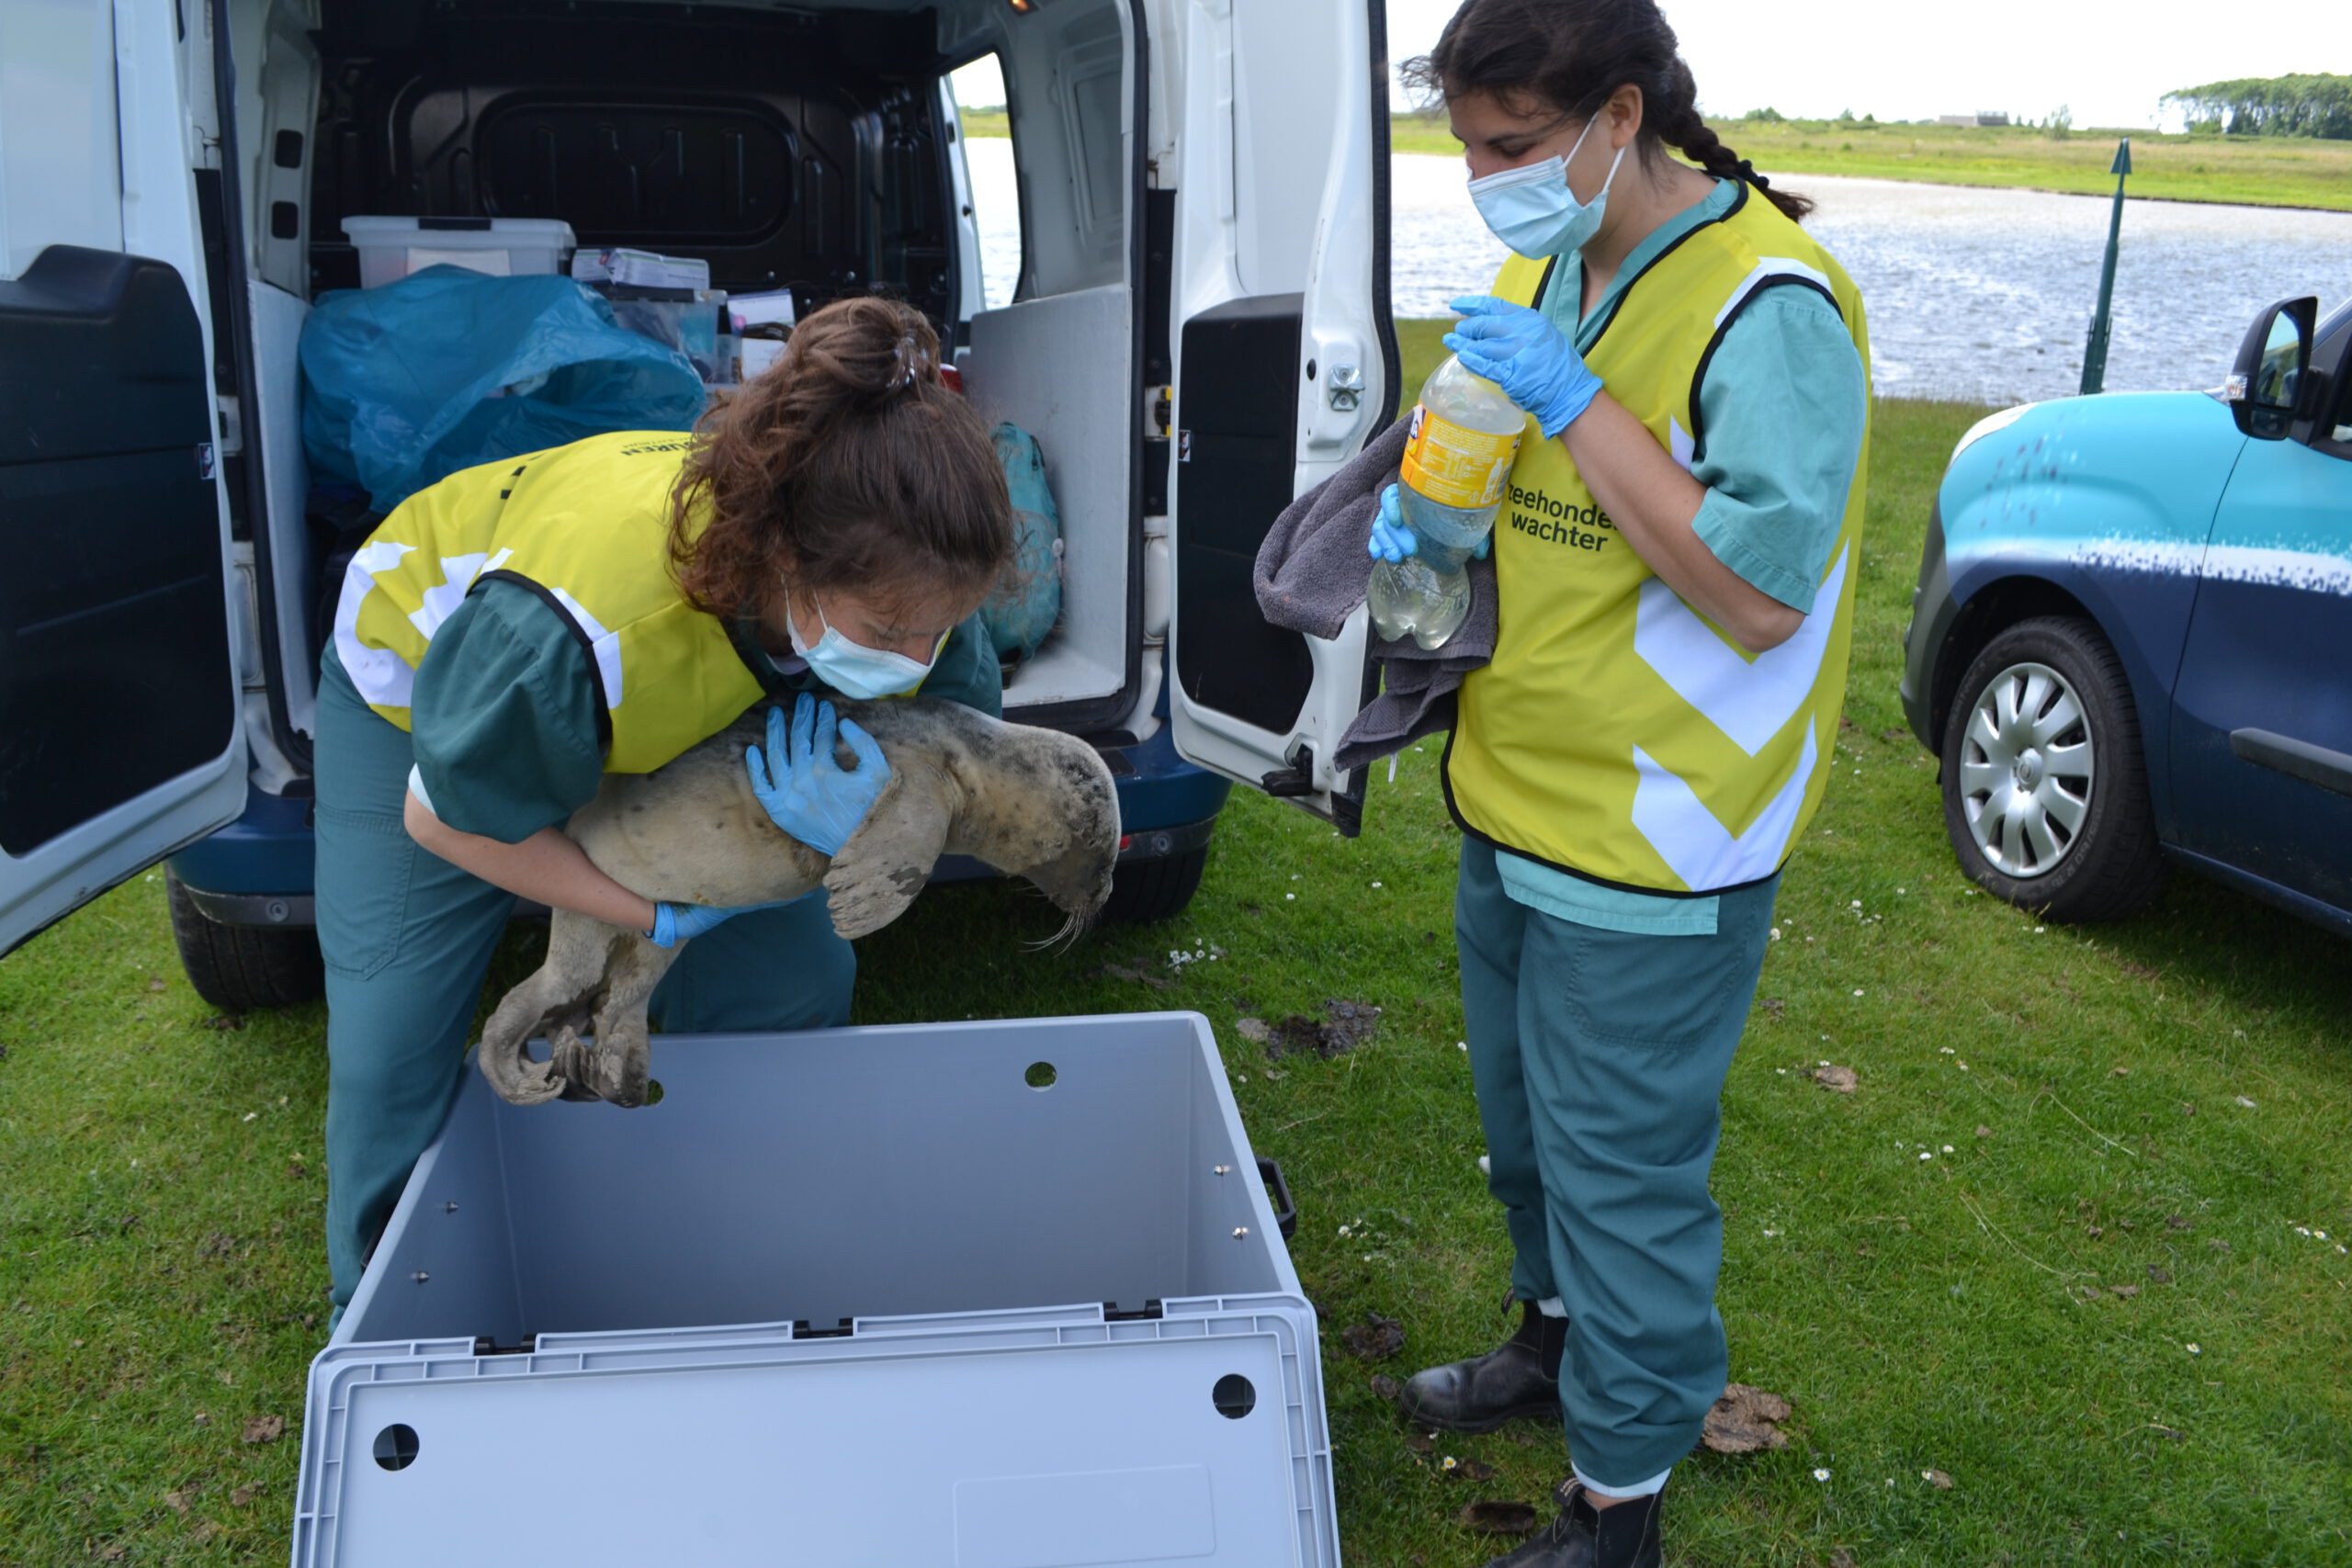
(845, 1298)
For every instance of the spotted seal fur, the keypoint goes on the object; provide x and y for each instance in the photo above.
(1031, 802)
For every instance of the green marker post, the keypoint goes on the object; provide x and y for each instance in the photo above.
(2095, 352)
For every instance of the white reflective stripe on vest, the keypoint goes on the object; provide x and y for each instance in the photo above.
(1749, 700)
(381, 676)
(1696, 845)
(604, 645)
(1771, 267)
(457, 575)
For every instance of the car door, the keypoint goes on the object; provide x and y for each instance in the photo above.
(1285, 364)
(119, 733)
(2262, 730)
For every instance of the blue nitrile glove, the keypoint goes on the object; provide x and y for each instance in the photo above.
(1521, 351)
(808, 794)
(674, 923)
(1392, 537)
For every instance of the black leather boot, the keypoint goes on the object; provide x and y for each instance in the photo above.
(1521, 1377)
(1626, 1536)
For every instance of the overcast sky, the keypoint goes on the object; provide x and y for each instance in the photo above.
(1904, 60)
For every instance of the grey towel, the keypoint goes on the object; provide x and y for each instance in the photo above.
(1312, 572)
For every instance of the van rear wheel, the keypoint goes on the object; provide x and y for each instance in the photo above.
(239, 968)
(1147, 890)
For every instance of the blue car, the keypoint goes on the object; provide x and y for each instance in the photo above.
(2131, 644)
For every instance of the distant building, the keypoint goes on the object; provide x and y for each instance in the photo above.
(1982, 117)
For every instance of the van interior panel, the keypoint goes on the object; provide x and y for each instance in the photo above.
(277, 112)
(114, 639)
(1240, 413)
(1065, 70)
(278, 319)
(802, 150)
(1061, 369)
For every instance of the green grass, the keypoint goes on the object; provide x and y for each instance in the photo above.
(160, 1270)
(2259, 171)
(2256, 171)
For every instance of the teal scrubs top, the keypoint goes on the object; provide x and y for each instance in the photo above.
(1785, 400)
(504, 709)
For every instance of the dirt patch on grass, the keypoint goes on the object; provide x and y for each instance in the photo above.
(1343, 1026)
(1746, 1420)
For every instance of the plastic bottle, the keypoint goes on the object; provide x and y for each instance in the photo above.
(1457, 468)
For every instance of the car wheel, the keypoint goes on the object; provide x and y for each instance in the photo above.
(2045, 789)
(239, 968)
(1146, 890)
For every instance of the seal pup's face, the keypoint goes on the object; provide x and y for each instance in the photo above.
(1076, 878)
(1079, 883)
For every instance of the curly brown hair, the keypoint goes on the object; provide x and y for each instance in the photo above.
(1572, 56)
(847, 464)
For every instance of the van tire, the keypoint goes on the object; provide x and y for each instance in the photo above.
(2110, 866)
(239, 968)
(1147, 890)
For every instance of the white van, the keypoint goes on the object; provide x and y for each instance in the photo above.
(1199, 332)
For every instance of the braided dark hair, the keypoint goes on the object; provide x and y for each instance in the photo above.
(1573, 55)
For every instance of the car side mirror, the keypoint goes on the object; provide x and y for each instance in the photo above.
(2273, 366)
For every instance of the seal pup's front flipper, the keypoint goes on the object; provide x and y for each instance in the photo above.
(887, 860)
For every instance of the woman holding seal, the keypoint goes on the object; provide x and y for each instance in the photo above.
(1675, 575)
(511, 634)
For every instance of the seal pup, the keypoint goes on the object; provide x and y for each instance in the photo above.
(1033, 803)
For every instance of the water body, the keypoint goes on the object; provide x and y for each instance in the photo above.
(1979, 295)
(1974, 294)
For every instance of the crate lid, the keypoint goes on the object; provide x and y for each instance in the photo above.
(1015, 1439)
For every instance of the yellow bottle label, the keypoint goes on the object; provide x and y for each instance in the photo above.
(1455, 466)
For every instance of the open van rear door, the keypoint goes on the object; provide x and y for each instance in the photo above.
(119, 733)
(1287, 365)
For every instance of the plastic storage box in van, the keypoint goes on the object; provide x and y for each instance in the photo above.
(391, 248)
(1002, 1295)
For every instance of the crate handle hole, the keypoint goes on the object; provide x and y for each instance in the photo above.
(1235, 1396)
(1041, 1076)
(396, 1446)
(654, 1091)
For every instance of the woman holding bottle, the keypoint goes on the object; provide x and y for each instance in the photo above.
(1675, 572)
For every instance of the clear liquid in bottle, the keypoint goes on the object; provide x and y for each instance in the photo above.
(1457, 468)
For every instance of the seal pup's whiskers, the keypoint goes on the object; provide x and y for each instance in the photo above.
(1061, 940)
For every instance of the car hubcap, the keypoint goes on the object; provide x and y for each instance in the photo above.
(2025, 771)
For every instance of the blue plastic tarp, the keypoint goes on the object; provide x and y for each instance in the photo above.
(408, 382)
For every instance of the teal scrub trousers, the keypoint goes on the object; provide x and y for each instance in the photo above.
(407, 939)
(1599, 1059)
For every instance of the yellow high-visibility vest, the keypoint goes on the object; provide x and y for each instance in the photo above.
(587, 528)
(1617, 734)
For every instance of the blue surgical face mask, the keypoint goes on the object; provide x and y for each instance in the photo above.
(1533, 209)
(854, 670)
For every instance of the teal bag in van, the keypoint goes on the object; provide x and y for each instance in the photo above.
(1028, 598)
(407, 383)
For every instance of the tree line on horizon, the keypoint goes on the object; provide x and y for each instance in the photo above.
(2306, 103)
